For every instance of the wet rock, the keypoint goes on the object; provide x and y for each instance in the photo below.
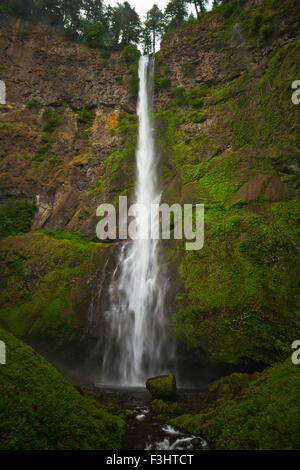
(261, 185)
(129, 414)
(196, 443)
(163, 387)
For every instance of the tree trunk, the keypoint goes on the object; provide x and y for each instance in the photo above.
(196, 8)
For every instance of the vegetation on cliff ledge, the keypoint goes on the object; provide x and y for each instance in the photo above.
(16, 217)
(44, 285)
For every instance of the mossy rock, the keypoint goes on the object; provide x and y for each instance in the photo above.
(160, 407)
(162, 387)
(230, 386)
(40, 410)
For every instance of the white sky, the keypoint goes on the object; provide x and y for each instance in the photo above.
(142, 6)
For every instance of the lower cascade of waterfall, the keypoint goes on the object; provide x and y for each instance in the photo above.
(135, 336)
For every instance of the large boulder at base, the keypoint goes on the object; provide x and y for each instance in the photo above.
(163, 387)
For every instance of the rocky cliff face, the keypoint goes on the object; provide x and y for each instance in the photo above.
(228, 134)
(62, 102)
(228, 137)
(62, 148)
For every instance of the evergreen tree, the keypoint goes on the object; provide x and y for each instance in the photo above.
(216, 3)
(131, 25)
(21, 8)
(71, 17)
(175, 13)
(125, 24)
(93, 33)
(154, 26)
(93, 10)
(146, 40)
(48, 11)
(200, 6)
(88, 20)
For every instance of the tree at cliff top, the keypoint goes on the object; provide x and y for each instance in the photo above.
(21, 8)
(154, 26)
(124, 23)
(175, 13)
(200, 6)
(89, 20)
(215, 3)
(93, 34)
(94, 10)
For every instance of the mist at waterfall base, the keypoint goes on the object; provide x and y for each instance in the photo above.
(136, 340)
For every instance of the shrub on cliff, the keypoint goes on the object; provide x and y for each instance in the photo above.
(131, 54)
(93, 34)
(16, 217)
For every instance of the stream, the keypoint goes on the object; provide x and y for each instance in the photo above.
(144, 431)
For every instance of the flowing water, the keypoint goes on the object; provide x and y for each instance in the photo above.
(135, 336)
(144, 430)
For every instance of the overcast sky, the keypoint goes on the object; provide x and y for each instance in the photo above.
(142, 6)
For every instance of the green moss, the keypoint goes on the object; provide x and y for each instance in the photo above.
(163, 387)
(127, 124)
(259, 120)
(41, 152)
(131, 54)
(133, 84)
(117, 163)
(41, 411)
(34, 105)
(163, 409)
(51, 120)
(162, 82)
(97, 188)
(245, 308)
(61, 234)
(16, 217)
(231, 8)
(239, 300)
(287, 217)
(51, 298)
(195, 116)
(216, 176)
(259, 413)
(191, 97)
(85, 115)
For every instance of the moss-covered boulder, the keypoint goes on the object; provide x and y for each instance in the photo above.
(251, 412)
(162, 387)
(40, 410)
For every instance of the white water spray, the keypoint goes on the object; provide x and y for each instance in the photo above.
(135, 337)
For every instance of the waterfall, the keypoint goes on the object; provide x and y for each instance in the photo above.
(135, 336)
